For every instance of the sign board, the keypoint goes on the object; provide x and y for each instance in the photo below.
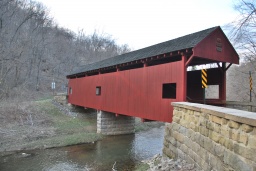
(53, 85)
(204, 78)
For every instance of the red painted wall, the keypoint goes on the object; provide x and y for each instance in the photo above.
(207, 48)
(136, 92)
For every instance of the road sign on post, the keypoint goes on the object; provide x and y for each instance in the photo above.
(250, 78)
(204, 81)
(204, 78)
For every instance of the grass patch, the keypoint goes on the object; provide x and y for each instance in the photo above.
(142, 167)
(144, 126)
(69, 125)
(46, 107)
(156, 162)
(141, 127)
(64, 140)
(40, 124)
(69, 130)
(64, 124)
(46, 97)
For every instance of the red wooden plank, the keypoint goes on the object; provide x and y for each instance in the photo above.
(207, 48)
(136, 92)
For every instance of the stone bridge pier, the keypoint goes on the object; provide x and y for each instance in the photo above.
(107, 123)
(112, 124)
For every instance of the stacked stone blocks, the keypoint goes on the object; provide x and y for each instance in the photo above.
(61, 98)
(110, 124)
(212, 139)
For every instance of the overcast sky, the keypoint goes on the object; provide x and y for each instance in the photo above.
(140, 23)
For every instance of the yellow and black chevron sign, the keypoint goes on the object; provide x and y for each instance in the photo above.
(204, 78)
(250, 82)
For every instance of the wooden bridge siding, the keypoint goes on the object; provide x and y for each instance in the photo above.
(136, 92)
(207, 48)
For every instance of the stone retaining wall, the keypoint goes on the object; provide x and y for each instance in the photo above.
(110, 124)
(61, 98)
(212, 138)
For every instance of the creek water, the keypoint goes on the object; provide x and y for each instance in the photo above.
(121, 152)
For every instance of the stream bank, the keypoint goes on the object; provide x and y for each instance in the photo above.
(47, 124)
(43, 124)
(121, 153)
(28, 142)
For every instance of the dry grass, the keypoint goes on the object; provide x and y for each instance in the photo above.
(40, 124)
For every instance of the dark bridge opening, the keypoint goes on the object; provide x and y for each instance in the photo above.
(195, 92)
(169, 91)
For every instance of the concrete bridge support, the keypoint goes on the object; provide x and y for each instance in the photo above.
(112, 124)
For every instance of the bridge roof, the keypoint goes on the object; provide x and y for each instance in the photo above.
(181, 43)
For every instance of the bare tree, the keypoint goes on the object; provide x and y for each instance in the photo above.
(98, 46)
(243, 36)
(244, 29)
(34, 50)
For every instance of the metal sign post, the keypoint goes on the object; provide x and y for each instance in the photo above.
(250, 78)
(204, 81)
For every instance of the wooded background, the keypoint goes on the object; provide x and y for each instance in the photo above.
(34, 50)
(242, 33)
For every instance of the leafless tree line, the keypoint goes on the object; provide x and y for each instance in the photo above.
(34, 50)
(243, 36)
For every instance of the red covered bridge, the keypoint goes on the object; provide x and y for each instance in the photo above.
(144, 82)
